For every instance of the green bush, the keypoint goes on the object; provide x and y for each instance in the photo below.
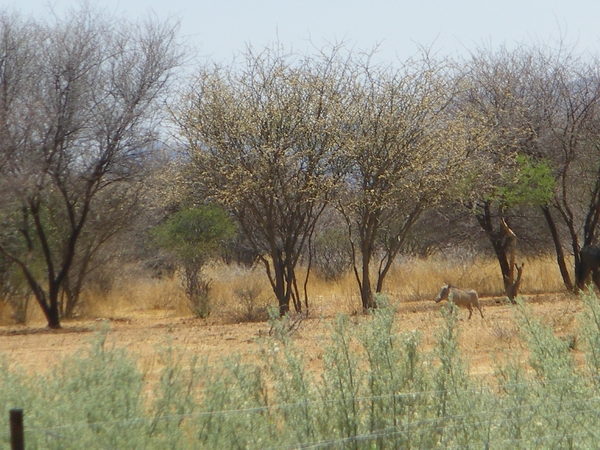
(193, 237)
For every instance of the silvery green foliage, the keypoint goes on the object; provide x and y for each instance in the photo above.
(376, 388)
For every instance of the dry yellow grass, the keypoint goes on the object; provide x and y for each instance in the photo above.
(420, 278)
(234, 287)
(242, 294)
(145, 314)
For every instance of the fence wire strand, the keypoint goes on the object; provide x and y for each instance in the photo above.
(445, 423)
(282, 406)
(394, 431)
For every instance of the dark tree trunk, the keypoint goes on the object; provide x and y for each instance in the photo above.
(560, 254)
(283, 281)
(367, 235)
(368, 227)
(280, 286)
(48, 303)
(366, 292)
(52, 315)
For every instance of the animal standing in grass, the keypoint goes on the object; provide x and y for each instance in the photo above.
(460, 297)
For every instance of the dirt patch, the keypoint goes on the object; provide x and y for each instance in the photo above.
(35, 330)
(484, 342)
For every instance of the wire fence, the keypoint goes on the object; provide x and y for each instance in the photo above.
(400, 400)
(373, 435)
(267, 408)
(492, 418)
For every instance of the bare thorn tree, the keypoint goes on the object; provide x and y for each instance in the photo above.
(79, 113)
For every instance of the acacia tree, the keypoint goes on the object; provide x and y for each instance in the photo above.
(193, 237)
(77, 116)
(507, 118)
(263, 136)
(400, 161)
(572, 145)
(546, 101)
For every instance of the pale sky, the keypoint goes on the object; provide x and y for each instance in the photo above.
(220, 29)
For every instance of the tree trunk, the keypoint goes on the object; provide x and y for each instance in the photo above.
(395, 245)
(366, 292)
(284, 306)
(367, 232)
(48, 304)
(511, 285)
(560, 254)
(53, 317)
(282, 298)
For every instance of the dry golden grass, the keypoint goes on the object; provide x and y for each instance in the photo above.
(148, 294)
(420, 278)
(242, 294)
(144, 314)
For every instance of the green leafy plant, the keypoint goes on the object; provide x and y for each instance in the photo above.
(531, 183)
(193, 237)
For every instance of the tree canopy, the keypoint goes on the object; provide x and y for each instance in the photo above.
(78, 113)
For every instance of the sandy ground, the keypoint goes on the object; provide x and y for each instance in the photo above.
(484, 342)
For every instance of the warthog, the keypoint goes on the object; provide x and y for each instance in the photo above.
(460, 297)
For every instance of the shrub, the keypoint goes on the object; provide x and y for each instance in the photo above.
(378, 388)
(193, 237)
(332, 254)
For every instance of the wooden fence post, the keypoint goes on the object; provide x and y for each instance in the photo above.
(16, 430)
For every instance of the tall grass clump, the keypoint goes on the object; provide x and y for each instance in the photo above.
(234, 410)
(342, 384)
(294, 391)
(590, 330)
(457, 399)
(174, 400)
(395, 372)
